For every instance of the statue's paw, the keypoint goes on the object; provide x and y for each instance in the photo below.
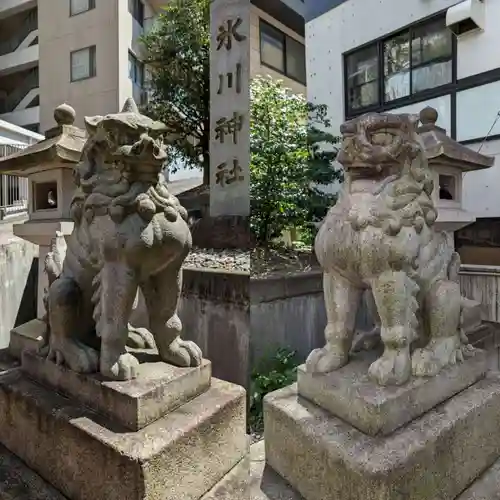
(125, 368)
(428, 361)
(392, 368)
(325, 360)
(182, 353)
(75, 355)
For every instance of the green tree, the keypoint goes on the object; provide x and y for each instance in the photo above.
(292, 158)
(178, 55)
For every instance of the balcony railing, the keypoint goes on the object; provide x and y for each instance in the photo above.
(29, 24)
(13, 190)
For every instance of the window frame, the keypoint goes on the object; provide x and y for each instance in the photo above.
(132, 58)
(133, 12)
(92, 5)
(92, 63)
(264, 24)
(414, 97)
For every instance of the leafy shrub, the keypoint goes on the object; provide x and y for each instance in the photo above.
(271, 374)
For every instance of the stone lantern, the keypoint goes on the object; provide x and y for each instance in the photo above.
(449, 160)
(48, 166)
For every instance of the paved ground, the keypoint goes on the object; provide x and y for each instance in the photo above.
(265, 483)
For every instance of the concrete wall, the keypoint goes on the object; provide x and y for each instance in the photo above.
(286, 312)
(18, 283)
(215, 310)
(350, 25)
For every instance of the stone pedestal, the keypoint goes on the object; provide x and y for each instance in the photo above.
(172, 433)
(340, 436)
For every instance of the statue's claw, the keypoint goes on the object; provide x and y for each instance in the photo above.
(182, 353)
(438, 354)
(392, 368)
(126, 367)
(325, 360)
(76, 356)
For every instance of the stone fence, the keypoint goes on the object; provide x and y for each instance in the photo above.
(215, 310)
(289, 311)
(482, 283)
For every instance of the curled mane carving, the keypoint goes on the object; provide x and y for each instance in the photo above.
(120, 170)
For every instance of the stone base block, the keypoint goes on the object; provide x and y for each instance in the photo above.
(158, 389)
(435, 457)
(349, 394)
(19, 482)
(487, 487)
(26, 336)
(235, 485)
(83, 455)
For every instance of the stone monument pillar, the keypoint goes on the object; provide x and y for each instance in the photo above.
(227, 224)
(417, 418)
(229, 107)
(92, 417)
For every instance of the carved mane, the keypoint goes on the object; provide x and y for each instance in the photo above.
(120, 169)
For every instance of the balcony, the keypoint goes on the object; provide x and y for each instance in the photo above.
(13, 190)
(21, 106)
(20, 50)
(10, 7)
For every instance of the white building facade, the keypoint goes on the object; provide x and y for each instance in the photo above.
(14, 190)
(401, 56)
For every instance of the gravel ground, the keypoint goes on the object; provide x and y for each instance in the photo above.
(278, 261)
(230, 260)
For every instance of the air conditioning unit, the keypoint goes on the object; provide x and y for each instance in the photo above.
(466, 17)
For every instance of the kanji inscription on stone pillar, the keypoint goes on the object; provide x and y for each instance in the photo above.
(229, 108)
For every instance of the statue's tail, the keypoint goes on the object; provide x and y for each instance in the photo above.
(53, 267)
(55, 258)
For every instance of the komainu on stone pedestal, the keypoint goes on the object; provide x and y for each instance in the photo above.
(129, 233)
(380, 236)
(358, 424)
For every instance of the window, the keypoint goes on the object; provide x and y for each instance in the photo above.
(447, 187)
(415, 60)
(136, 8)
(79, 6)
(135, 70)
(362, 78)
(83, 64)
(282, 53)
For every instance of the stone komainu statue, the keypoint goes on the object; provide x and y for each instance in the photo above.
(129, 233)
(380, 236)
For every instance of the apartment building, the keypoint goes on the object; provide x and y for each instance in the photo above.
(277, 41)
(418, 53)
(86, 53)
(82, 52)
